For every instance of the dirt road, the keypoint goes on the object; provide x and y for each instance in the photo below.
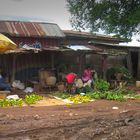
(89, 121)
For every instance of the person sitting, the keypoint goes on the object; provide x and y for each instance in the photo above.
(87, 74)
(70, 79)
(3, 84)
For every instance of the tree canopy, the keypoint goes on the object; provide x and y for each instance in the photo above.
(121, 17)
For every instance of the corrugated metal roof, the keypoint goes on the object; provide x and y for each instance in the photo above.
(30, 29)
(21, 50)
(115, 45)
(78, 47)
(84, 48)
(26, 49)
(90, 35)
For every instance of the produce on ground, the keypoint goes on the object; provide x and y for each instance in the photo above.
(29, 99)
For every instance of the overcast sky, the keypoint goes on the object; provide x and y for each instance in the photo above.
(47, 10)
(44, 10)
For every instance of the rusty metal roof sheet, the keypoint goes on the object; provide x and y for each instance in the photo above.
(90, 35)
(95, 48)
(30, 29)
(21, 50)
(116, 45)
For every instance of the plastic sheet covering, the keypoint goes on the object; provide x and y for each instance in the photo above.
(6, 44)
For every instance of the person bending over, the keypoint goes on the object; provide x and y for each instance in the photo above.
(70, 79)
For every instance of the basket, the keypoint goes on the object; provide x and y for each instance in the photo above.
(61, 87)
(51, 81)
(43, 75)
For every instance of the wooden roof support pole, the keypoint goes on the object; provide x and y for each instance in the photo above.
(138, 69)
(104, 65)
(82, 62)
(13, 68)
(129, 62)
(52, 60)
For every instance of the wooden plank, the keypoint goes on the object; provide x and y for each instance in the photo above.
(13, 68)
(129, 62)
(52, 61)
(138, 68)
(104, 65)
(82, 62)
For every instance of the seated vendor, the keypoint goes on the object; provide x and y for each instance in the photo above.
(70, 79)
(87, 74)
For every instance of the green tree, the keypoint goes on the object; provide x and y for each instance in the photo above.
(121, 17)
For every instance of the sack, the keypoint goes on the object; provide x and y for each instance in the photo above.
(18, 84)
(12, 97)
(28, 90)
(79, 83)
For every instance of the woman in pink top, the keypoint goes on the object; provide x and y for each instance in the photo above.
(87, 75)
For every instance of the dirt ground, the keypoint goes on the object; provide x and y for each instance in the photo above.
(95, 120)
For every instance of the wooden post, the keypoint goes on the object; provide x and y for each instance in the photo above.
(52, 61)
(104, 65)
(129, 62)
(13, 68)
(82, 61)
(138, 69)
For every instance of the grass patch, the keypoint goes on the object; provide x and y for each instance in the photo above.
(137, 97)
